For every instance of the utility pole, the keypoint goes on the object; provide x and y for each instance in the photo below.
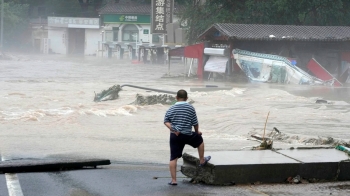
(2, 25)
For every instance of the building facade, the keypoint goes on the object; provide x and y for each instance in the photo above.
(68, 35)
(39, 30)
(329, 45)
(127, 26)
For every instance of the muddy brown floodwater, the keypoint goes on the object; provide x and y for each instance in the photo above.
(47, 110)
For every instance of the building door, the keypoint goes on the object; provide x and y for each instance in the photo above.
(37, 45)
(130, 33)
(76, 41)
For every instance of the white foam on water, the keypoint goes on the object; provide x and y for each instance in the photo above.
(102, 110)
(197, 94)
(239, 91)
(34, 114)
(126, 110)
(19, 94)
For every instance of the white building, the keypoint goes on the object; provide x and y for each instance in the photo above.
(68, 35)
(127, 24)
(39, 32)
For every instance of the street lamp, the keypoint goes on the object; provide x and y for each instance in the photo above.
(102, 47)
(163, 39)
(136, 41)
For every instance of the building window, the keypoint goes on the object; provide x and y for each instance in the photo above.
(155, 38)
(115, 33)
(109, 36)
(130, 32)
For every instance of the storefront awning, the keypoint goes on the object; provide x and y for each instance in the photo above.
(127, 18)
(216, 64)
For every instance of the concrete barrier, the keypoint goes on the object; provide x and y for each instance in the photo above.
(268, 166)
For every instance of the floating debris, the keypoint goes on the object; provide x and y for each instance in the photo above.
(277, 135)
(265, 145)
(321, 101)
(343, 148)
(295, 180)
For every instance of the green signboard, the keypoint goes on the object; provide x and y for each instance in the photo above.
(127, 18)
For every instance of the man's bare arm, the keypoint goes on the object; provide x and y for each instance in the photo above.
(196, 129)
(168, 124)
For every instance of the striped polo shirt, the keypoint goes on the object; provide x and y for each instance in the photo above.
(182, 117)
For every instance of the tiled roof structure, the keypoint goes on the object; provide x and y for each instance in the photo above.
(277, 32)
(126, 8)
(130, 8)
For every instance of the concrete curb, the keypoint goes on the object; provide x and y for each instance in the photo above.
(19, 166)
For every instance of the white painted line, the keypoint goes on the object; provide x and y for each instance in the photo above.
(13, 186)
(12, 182)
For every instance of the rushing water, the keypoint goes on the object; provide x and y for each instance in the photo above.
(47, 110)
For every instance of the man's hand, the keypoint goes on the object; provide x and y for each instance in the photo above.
(196, 127)
(177, 133)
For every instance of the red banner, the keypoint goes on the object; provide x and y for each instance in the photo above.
(319, 71)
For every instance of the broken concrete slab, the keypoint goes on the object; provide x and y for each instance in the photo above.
(240, 166)
(318, 164)
(267, 166)
(17, 166)
(315, 155)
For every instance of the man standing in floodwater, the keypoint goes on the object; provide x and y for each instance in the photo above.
(179, 119)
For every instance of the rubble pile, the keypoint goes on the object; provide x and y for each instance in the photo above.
(164, 99)
(109, 94)
(276, 135)
(113, 93)
(154, 99)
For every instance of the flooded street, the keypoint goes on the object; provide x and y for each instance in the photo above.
(47, 110)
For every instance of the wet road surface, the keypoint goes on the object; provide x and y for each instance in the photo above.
(138, 179)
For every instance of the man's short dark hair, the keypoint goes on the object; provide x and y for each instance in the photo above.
(182, 94)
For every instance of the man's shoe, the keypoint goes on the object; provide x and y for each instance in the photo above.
(206, 159)
(171, 183)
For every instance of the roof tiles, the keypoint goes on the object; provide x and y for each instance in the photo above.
(130, 8)
(280, 32)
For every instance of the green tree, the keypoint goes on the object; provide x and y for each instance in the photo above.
(200, 14)
(15, 23)
(69, 8)
(301, 12)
